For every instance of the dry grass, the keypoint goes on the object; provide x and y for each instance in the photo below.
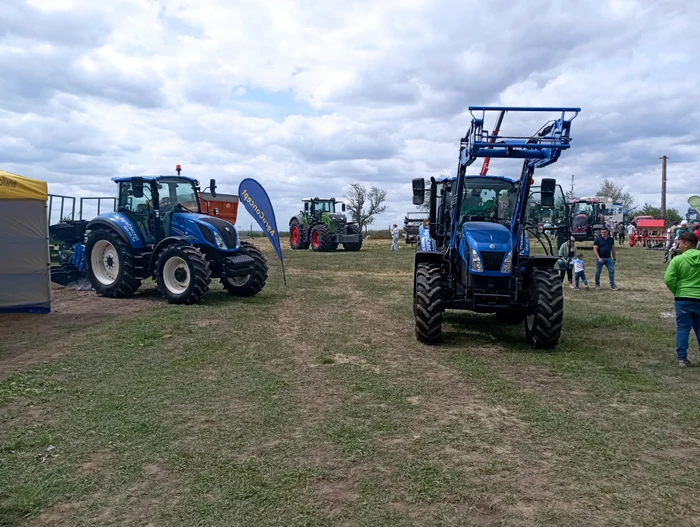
(313, 404)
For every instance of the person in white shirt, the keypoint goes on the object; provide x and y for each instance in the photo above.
(579, 271)
(395, 238)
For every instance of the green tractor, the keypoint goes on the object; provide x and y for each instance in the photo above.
(321, 227)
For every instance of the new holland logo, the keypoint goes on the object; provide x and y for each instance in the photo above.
(492, 246)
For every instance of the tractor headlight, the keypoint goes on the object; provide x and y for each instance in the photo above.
(219, 241)
(477, 264)
(507, 266)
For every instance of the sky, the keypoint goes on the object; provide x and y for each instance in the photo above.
(311, 96)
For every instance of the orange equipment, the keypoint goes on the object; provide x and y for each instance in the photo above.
(226, 204)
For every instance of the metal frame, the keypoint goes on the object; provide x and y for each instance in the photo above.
(99, 203)
(63, 201)
(72, 206)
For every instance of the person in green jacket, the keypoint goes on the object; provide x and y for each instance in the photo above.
(683, 280)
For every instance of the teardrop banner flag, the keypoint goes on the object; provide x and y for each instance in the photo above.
(257, 203)
(694, 201)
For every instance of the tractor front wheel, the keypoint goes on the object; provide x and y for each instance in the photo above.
(321, 238)
(253, 283)
(297, 239)
(182, 274)
(544, 321)
(428, 302)
(354, 246)
(110, 263)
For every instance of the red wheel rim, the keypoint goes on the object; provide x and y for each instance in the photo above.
(315, 239)
(295, 234)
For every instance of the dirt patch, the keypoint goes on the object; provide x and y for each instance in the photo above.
(28, 339)
(97, 461)
(334, 495)
(57, 515)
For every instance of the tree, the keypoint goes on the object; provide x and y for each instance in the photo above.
(358, 196)
(650, 210)
(672, 215)
(617, 193)
(569, 195)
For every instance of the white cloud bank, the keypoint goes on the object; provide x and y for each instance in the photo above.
(310, 96)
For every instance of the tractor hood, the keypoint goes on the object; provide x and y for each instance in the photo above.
(338, 218)
(206, 227)
(491, 241)
(485, 232)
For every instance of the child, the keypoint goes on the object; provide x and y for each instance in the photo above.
(578, 269)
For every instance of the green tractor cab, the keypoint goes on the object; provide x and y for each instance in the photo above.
(322, 228)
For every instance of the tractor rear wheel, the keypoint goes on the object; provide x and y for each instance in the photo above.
(296, 236)
(321, 238)
(543, 323)
(428, 302)
(354, 246)
(182, 274)
(253, 283)
(110, 264)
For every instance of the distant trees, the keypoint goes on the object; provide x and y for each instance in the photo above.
(358, 196)
(609, 189)
(672, 215)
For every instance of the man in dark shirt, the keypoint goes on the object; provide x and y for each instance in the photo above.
(604, 249)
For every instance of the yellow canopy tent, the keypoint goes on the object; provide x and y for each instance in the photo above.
(25, 275)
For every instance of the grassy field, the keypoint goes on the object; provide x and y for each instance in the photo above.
(313, 404)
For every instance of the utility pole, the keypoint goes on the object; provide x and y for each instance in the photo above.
(572, 183)
(663, 186)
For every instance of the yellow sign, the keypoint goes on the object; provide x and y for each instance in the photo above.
(13, 186)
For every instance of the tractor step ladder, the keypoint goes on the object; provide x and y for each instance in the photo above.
(541, 149)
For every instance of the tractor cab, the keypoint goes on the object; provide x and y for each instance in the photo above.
(156, 205)
(587, 218)
(317, 206)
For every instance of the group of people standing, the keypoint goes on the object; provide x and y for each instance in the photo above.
(571, 262)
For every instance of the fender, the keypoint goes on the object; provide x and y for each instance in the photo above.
(122, 225)
(167, 242)
(298, 218)
(540, 262)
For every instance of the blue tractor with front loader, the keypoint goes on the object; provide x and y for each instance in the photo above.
(482, 226)
(158, 231)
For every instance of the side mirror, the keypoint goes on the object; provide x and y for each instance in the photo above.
(342, 206)
(212, 187)
(306, 206)
(137, 187)
(418, 191)
(547, 188)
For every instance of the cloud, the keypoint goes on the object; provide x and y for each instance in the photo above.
(309, 97)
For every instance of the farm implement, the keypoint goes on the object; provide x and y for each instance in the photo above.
(482, 227)
(322, 228)
(158, 231)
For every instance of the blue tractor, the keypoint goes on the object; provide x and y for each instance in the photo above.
(482, 226)
(159, 232)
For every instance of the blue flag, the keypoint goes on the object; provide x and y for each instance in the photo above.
(257, 203)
